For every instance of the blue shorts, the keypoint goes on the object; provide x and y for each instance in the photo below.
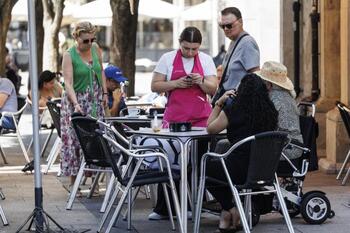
(7, 123)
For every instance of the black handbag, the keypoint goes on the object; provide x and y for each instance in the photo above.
(221, 90)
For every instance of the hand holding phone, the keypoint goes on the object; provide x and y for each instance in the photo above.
(188, 80)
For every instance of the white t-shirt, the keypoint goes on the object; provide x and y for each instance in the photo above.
(165, 64)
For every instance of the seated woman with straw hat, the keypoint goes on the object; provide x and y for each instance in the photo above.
(282, 94)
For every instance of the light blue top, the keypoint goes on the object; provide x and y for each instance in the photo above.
(245, 57)
(7, 87)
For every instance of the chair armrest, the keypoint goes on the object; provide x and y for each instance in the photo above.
(150, 147)
(10, 114)
(299, 145)
(153, 154)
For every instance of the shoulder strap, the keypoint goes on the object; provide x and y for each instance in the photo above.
(228, 61)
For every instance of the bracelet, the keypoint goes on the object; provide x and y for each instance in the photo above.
(75, 104)
(105, 93)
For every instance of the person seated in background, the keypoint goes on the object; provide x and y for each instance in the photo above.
(116, 102)
(157, 100)
(11, 71)
(8, 103)
(49, 88)
(281, 92)
(219, 58)
(250, 112)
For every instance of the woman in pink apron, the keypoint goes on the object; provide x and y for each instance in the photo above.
(187, 76)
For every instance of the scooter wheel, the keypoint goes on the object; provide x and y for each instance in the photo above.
(315, 208)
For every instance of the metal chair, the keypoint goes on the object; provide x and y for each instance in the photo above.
(134, 177)
(16, 116)
(54, 109)
(265, 152)
(2, 214)
(42, 127)
(345, 115)
(93, 154)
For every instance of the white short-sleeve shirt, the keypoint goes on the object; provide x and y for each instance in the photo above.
(165, 64)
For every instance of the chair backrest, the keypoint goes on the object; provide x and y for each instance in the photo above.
(55, 112)
(307, 109)
(85, 130)
(344, 113)
(120, 134)
(21, 104)
(265, 153)
(105, 146)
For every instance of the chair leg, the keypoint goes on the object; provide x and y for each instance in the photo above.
(248, 208)
(19, 137)
(108, 193)
(167, 201)
(117, 210)
(109, 206)
(176, 204)
(343, 165)
(76, 185)
(283, 206)
(124, 196)
(129, 208)
(2, 196)
(55, 150)
(146, 191)
(199, 204)
(84, 180)
(46, 143)
(345, 177)
(3, 155)
(236, 198)
(240, 209)
(3, 217)
(95, 181)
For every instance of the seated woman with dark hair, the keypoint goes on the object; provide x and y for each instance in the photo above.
(250, 112)
(49, 88)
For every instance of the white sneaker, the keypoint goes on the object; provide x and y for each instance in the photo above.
(156, 217)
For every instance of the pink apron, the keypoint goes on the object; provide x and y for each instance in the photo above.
(188, 104)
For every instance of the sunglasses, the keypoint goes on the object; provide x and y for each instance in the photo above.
(86, 41)
(228, 25)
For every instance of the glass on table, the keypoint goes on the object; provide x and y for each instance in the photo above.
(156, 125)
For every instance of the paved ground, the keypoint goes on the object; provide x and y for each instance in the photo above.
(19, 203)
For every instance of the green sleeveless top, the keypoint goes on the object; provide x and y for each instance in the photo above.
(82, 72)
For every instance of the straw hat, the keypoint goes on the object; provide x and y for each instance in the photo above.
(275, 73)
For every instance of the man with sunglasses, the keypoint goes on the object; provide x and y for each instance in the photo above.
(243, 55)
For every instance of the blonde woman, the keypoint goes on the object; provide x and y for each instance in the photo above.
(85, 92)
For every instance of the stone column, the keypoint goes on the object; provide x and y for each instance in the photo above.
(306, 43)
(287, 41)
(334, 78)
